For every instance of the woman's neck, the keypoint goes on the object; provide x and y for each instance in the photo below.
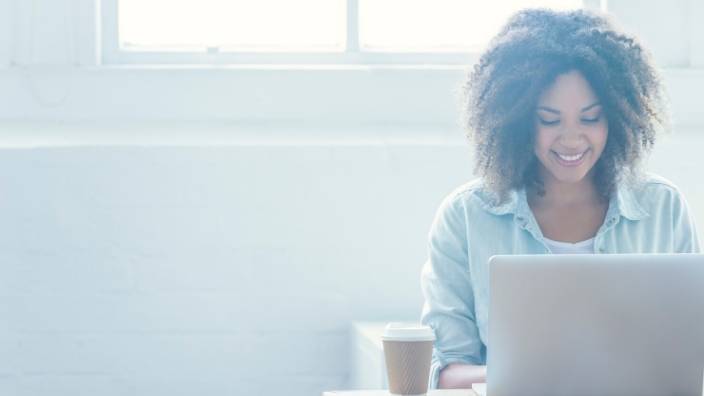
(560, 194)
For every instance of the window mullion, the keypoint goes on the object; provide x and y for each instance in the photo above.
(352, 43)
(109, 34)
(696, 32)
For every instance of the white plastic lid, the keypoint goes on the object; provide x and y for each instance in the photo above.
(407, 331)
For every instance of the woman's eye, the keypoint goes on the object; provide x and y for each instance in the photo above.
(590, 120)
(545, 122)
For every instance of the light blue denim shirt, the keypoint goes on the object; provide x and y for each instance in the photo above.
(650, 216)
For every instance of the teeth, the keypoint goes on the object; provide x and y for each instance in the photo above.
(571, 157)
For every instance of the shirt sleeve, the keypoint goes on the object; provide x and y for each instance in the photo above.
(448, 293)
(686, 237)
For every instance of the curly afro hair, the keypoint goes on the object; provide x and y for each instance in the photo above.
(535, 46)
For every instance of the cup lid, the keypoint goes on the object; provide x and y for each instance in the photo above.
(408, 331)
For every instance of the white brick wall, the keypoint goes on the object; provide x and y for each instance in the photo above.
(207, 270)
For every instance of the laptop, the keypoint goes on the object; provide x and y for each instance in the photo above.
(584, 324)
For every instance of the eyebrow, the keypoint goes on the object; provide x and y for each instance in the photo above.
(551, 110)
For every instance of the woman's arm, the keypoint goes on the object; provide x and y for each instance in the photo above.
(460, 375)
(449, 296)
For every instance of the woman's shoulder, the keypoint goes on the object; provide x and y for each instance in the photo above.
(469, 190)
(465, 190)
(470, 200)
(652, 183)
(653, 191)
(669, 212)
(475, 194)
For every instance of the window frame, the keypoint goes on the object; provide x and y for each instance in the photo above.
(111, 54)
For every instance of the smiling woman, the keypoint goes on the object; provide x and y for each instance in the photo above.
(562, 107)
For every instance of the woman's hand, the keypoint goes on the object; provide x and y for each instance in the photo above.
(460, 375)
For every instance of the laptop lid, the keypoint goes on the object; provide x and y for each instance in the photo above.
(620, 324)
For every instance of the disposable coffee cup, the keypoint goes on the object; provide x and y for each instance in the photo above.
(408, 349)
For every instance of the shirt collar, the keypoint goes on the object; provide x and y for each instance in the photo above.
(622, 203)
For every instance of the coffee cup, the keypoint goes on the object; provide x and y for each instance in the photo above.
(408, 349)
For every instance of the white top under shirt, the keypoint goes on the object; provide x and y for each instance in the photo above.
(583, 247)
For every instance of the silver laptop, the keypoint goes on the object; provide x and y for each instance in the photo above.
(620, 324)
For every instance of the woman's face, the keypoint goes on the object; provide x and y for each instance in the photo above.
(571, 129)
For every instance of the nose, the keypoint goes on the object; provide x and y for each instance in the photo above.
(572, 137)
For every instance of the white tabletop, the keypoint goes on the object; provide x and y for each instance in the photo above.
(378, 392)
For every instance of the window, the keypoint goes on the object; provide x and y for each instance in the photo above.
(305, 31)
(232, 26)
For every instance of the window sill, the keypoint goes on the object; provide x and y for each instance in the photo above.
(306, 94)
(38, 134)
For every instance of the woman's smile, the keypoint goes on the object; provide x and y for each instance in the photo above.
(570, 160)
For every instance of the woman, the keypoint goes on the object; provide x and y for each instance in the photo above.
(562, 108)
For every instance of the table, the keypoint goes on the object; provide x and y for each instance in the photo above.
(377, 392)
(367, 365)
